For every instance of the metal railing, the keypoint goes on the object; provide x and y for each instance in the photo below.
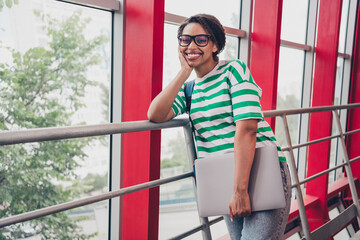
(50, 134)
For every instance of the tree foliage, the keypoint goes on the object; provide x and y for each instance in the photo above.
(42, 88)
(7, 3)
(93, 182)
(177, 149)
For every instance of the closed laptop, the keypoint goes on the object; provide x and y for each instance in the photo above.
(215, 180)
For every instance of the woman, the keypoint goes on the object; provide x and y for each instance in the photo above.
(226, 115)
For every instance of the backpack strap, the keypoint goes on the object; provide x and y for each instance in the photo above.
(188, 89)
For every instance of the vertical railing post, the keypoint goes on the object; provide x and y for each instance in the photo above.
(347, 166)
(299, 196)
(190, 145)
(189, 141)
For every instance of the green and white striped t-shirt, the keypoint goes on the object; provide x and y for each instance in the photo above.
(225, 95)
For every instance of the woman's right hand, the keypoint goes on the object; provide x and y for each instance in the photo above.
(160, 108)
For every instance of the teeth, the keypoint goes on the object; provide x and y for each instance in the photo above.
(193, 55)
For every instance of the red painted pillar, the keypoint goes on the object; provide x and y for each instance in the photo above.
(353, 140)
(265, 48)
(142, 80)
(323, 94)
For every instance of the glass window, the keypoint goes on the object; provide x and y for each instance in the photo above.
(227, 13)
(294, 20)
(334, 154)
(343, 25)
(231, 49)
(339, 80)
(55, 66)
(290, 78)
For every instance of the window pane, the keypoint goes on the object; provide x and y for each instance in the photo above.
(339, 80)
(231, 49)
(334, 152)
(228, 16)
(290, 79)
(343, 25)
(294, 20)
(55, 70)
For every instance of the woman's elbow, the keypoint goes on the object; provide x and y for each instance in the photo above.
(154, 117)
(151, 116)
(247, 127)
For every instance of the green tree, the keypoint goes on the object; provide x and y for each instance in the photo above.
(7, 3)
(42, 88)
(177, 149)
(93, 182)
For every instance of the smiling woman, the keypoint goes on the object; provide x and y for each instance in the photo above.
(226, 116)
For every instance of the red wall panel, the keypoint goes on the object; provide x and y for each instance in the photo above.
(323, 94)
(142, 80)
(353, 141)
(265, 49)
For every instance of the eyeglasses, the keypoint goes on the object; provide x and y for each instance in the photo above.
(201, 40)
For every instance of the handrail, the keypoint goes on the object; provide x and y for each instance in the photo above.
(89, 200)
(58, 133)
(48, 134)
(278, 113)
(299, 197)
(319, 174)
(319, 140)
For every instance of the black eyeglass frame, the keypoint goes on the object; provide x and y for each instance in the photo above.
(193, 38)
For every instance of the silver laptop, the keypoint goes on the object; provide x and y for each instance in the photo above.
(215, 180)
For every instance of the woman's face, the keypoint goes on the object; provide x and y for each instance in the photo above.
(197, 56)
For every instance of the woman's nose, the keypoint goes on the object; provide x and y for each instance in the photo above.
(192, 44)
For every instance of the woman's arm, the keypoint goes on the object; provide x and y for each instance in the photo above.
(244, 150)
(160, 108)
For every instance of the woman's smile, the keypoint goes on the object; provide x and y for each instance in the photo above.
(193, 56)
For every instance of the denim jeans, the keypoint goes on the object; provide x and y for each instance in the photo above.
(268, 224)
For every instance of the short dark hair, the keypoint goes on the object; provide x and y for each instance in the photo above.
(212, 25)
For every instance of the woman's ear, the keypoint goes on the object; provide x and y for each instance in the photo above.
(215, 48)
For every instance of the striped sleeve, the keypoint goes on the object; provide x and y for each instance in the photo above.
(245, 94)
(179, 105)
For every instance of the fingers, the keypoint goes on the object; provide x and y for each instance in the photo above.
(181, 56)
(231, 214)
(183, 60)
(238, 212)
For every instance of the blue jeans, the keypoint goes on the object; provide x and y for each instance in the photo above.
(263, 224)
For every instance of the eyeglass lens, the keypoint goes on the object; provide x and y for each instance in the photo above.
(200, 40)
